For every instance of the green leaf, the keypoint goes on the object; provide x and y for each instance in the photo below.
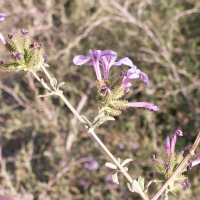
(105, 118)
(141, 182)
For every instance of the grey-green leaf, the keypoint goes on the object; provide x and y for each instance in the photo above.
(60, 84)
(53, 82)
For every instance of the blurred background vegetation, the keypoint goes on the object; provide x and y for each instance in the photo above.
(44, 150)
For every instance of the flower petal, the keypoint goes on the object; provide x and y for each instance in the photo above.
(133, 76)
(2, 39)
(2, 15)
(196, 162)
(178, 132)
(145, 78)
(147, 105)
(80, 59)
(116, 64)
(127, 61)
(167, 145)
(133, 71)
(108, 53)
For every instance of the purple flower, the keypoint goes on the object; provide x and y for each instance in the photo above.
(83, 182)
(196, 162)
(121, 146)
(135, 146)
(153, 157)
(167, 145)
(86, 165)
(18, 55)
(149, 106)
(25, 32)
(167, 164)
(174, 138)
(2, 39)
(94, 60)
(92, 165)
(108, 177)
(2, 15)
(150, 174)
(186, 184)
(104, 89)
(189, 167)
(107, 62)
(133, 72)
(126, 84)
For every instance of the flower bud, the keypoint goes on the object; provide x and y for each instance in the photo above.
(153, 157)
(189, 167)
(167, 145)
(174, 138)
(33, 45)
(10, 36)
(18, 55)
(44, 55)
(122, 74)
(25, 32)
(150, 174)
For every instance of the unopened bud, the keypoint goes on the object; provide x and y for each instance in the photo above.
(189, 167)
(10, 35)
(104, 89)
(167, 165)
(44, 55)
(25, 32)
(1, 62)
(122, 74)
(18, 55)
(122, 111)
(33, 45)
(186, 184)
(150, 174)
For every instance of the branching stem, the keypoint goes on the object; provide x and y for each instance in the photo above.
(92, 133)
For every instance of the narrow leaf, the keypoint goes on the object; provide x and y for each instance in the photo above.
(111, 165)
(129, 187)
(60, 84)
(126, 161)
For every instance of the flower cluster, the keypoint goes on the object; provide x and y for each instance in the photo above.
(171, 162)
(26, 56)
(91, 164)
(110, 91)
